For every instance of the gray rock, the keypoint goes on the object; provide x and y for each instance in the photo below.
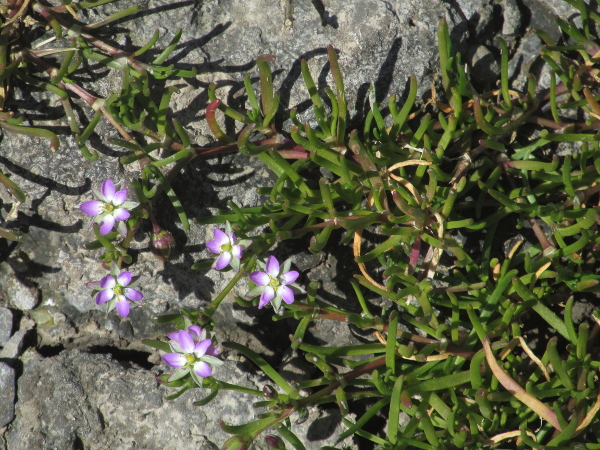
(485, 66)
(13, 347)
(544, 12)
(513, 19)
(6, 324)
(21, 294)
(77, 399)
(7, 399)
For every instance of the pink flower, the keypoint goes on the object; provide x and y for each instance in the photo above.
(193, 352)
(274, 283)
(227, 247)
(110, 209)
(117, 290)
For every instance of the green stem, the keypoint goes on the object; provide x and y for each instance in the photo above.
(367, 368)
(214, 305)
(233, 387)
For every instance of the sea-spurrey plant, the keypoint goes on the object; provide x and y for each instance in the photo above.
(472, 238)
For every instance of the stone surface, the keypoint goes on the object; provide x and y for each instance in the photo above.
(486, 67)
(20, 292)
(80, 400)
(7, 398)
(6, 325)
(513, 20)
(13, 347)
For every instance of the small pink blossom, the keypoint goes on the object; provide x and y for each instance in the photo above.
(117, 290)
(111, 208)
(274, 283)
(227, 247)
(193, 352)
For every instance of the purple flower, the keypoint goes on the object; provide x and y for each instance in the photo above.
(274, 283)
(117, 290)
(110, 208)
(226, 245)
(193, 352)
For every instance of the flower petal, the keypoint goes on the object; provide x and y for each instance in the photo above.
(260, 278)
(133, 294)
(108, 282)
(221, 237)
(202, 369)
(211, 351)
(92, 207)
(195, 332)
(236, 251)
(108, 190)
(266, 297)
(174, 336)
(122, 306)
(289, 277)
(174, 359)
(124, 278)
(104, 296)
(201, 347)
(119, 197)
(213, 246)
(272, 266)
(286, 294)
(186, 342)
(231, 237)
(223, 260)
(121, 214)
(107, 224)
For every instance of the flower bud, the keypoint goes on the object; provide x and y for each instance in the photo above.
(269, 391)
(275, 442)
(162, 243)
(236, 443)
(302, 415)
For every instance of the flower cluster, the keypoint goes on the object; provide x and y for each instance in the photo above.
(110, 208)
(117, 289)
(193, 352)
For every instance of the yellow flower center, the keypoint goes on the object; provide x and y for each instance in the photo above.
(274, 283)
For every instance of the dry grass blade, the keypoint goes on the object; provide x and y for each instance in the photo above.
(515, 389)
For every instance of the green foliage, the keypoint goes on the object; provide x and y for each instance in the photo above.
(480, 167)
